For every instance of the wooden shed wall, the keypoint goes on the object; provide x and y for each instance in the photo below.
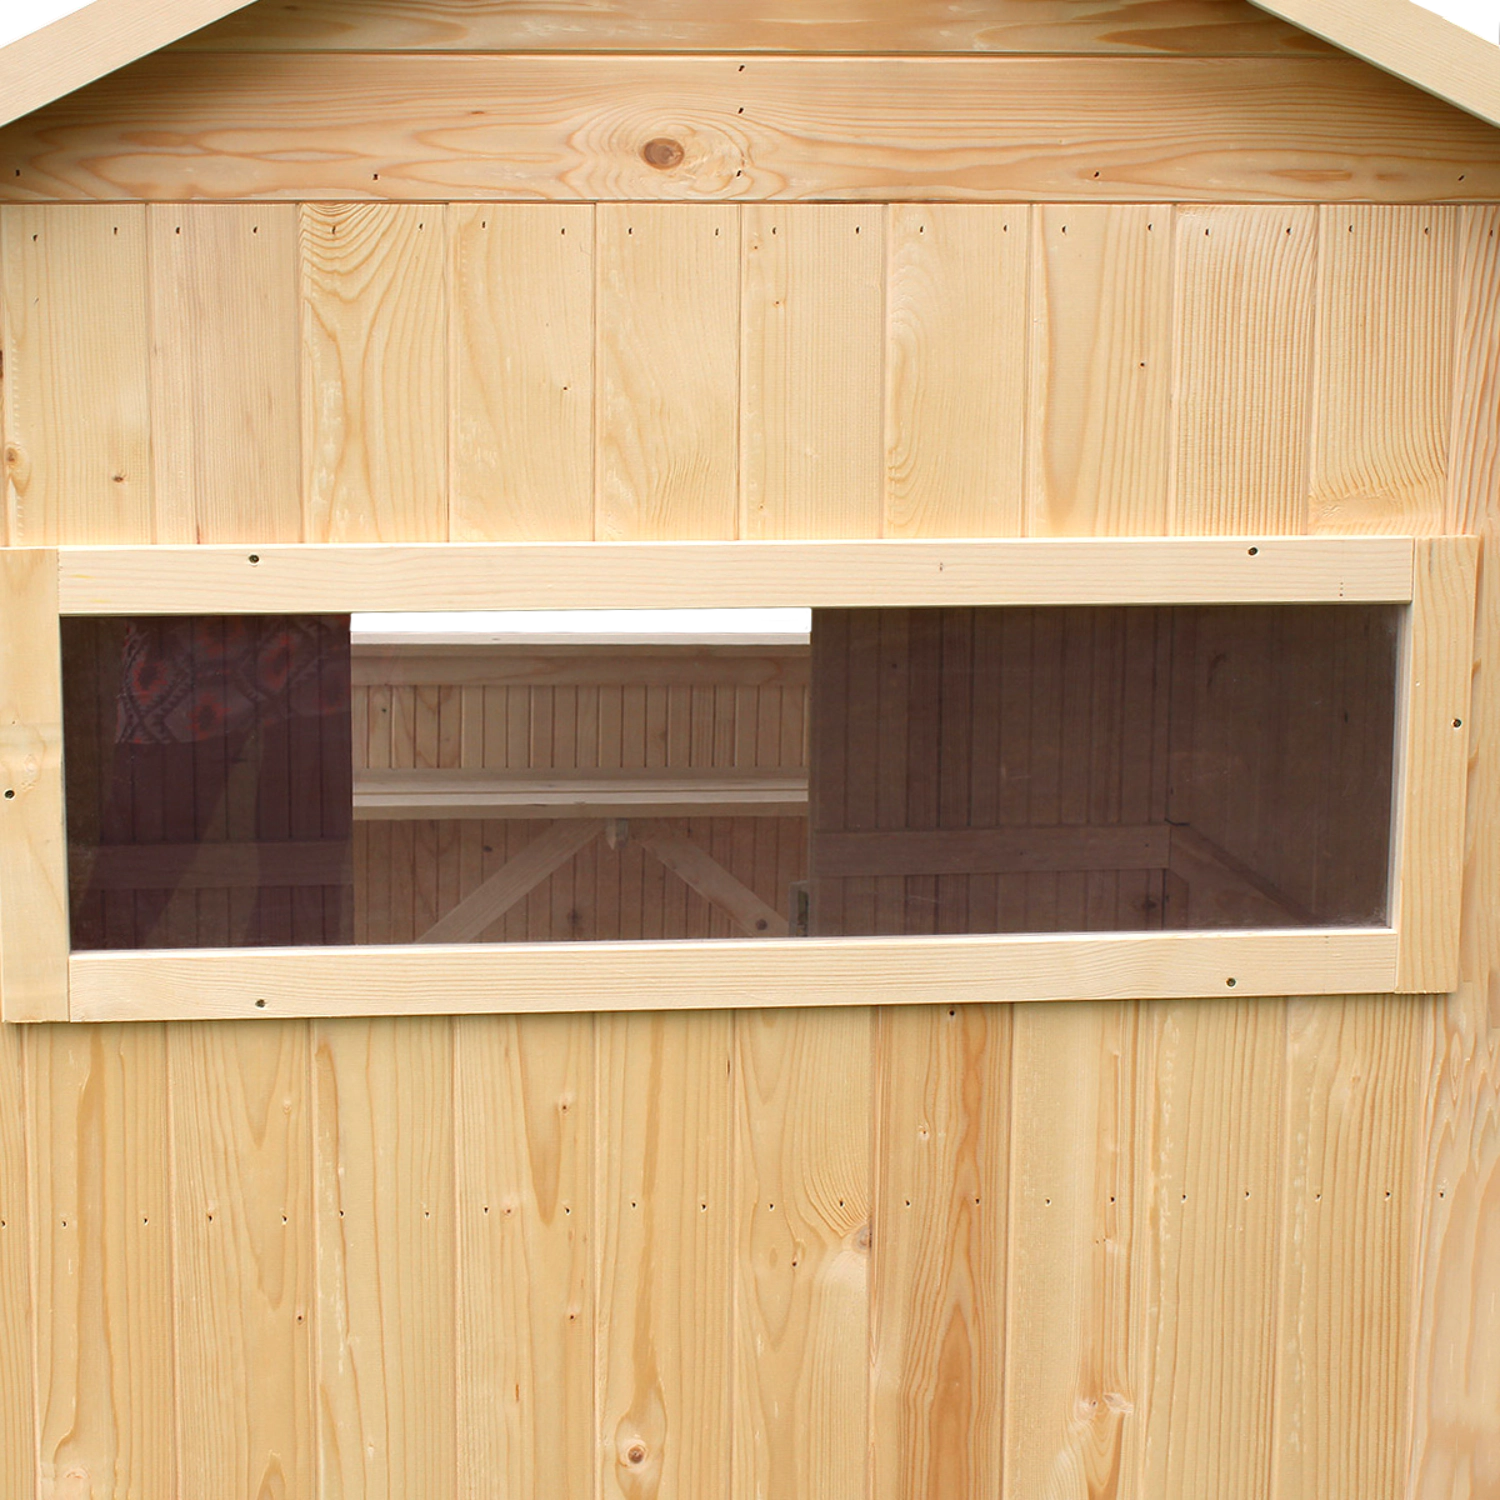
(1236, 1248)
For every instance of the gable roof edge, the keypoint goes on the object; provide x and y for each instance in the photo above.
(76, 49)
(1410, 41)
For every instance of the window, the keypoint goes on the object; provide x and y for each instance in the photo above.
(905, 771)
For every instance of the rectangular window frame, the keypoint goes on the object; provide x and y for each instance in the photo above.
(41, 980)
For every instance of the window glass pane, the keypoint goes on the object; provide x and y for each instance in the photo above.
(272, 780)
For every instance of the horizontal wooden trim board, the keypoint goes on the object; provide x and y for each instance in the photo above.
(213, 866)
(981, 851)
(1202, 27)
(686, 793)
(625, 575)
(428, 127)
(579, 666)
(724, 974)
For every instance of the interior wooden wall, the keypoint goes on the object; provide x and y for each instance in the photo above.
(1239, 1248)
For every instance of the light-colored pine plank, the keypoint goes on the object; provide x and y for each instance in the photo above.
(225, 357)
(525, 1131)
(938, 1317)
(77, 401)
(1101, 371)
(811, 381)
(691, 863)
(18, 1408)
(954, 390)
(104, 1295)
(375, 373)
(664, 1316)
(668, 341)
(1079, 1129)
(1242, 381)
(1428, 873)
(244, 1263)
(1474, 467)
(801, 1255)
(523, 367)
(1348, 1203)
(1383, 397)
(33, 835)
(384, 1193)
(1170, 26)
(1112, 129)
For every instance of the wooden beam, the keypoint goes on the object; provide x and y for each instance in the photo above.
(521, 665)
(579, 794)
(518, 876)
(718, 974)
(34, 938)
(655, 575)
(1411, 41)
(94, 40)
(1236, 894)
(695, 865)
(592, 128)
(212, 866)
(986, 851)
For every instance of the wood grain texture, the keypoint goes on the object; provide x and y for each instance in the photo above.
(244, 1267)
(668, 341)
(665, 1200)
(33, 832)
(1426, 892)
(370, 126)
(77, 396)
(1242, 369)
(526, 1118)
(103, 1213)
(1075, 1375)
(384, 1194)
(1169, 26)
(523, 373)
(374, 376)
(955, 393)
(1100, 383)
(802, 1252)
(18, 1404)
(938, 1315)
(811, 388)
(1348, 1198)
(225, 451)
(1383, 395)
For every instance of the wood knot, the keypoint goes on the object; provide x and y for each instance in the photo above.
(636, 1454)
(663, 153)
(862, 1239)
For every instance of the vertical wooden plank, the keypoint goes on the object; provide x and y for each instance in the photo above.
(938, 1328)
(1101, 370)
(802, 1248)
(1080, 1114)
(243, 1236)
(663, 1317)
(18, 1407)
(525, 1129)
(375, 372)
(523, 366)
(1348, 1198)
(225, 366)
(1383, 400)
(1242, 368)
(33, 833)
(1217, 1162)
(383, 1168)
(104, 1296)
(955, 393)
(811, 387)
(77, 395)
(1429, 875)
(1455, 1310)
(668, 326)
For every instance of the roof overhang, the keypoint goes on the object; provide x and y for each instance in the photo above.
(1402, 37)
